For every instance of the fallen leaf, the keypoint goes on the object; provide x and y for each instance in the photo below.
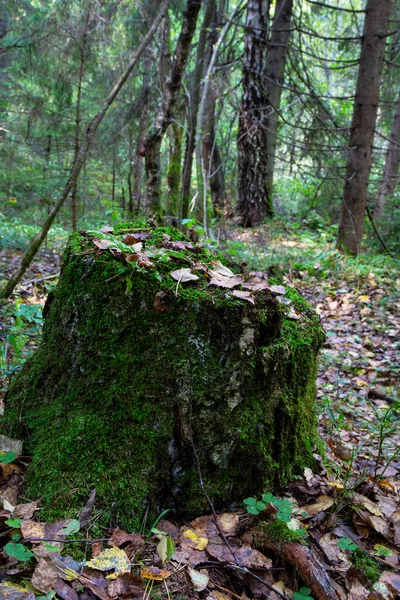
(65, 591)
(25, 511)
(103, 244)
(95, 582)
(252, 559)
(395, 519)
(243, 296)
(86, 512)
(44, 576)
(111, 558)
(8, 444)
(127, 586)
(199, 579)
(228, 523)
(119, 538)
(366, 503)
(154, 573)
(323, 503)
(160, 304)
(391, 580)
(12, 591)
(225, 282)
(166, 548)
(219, 270)
(195, 541)
(184, 275)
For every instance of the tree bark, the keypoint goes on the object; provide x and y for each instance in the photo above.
(194, 103)
(80, 158)
(392, 162)
(78, 117)
(163, 120)
(174, 173)
(276, 70)
(351, 222)
(253, 194)
(211, 155)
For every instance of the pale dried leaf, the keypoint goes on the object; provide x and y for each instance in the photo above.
(323, 503)
(184, 275)
(219, 270)
(225, 282)
(243, 296)
(199, 579)
(228, 523)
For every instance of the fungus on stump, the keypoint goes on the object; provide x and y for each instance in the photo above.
(141, 362)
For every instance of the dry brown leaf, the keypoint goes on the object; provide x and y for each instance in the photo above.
(358, 592)
(228, 523)
(377, 523)
(95, 582)
(119, 538)
(25, 511)
(395, 520)
(278, 289)
(103, 244)
(219, 270)
(205, 527)
(255, 284)
(392, 581)
(252, 559)
(184, 275)
(160, 303)
(125, 585)
(135, 238)
(243, 296)
(44, 576)
(192, 540)
(36, 532)
(323, 503)
(189, 556)
(65, 591)
(106, 229)
(366, 503)
(225, 282)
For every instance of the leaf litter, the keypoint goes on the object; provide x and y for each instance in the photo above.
(350, 499)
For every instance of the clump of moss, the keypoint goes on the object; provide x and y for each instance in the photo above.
(278, 531)
(367, 564)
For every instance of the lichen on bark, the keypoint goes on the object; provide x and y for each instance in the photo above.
(123, 387)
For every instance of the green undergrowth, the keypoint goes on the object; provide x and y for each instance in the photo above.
(305, 251)
(17, 234)
(367, 564)
(280, 532)
(122, 388)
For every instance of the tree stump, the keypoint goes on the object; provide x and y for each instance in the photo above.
(154, 352)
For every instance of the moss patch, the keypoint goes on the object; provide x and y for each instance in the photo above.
(124, 383)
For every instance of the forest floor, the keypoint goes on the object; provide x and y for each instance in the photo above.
(340, 537)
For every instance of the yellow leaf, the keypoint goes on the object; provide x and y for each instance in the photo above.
(336, 484)
(112, 558)
(199, 542)
(361, 382)
(363, 299)
(154, 573)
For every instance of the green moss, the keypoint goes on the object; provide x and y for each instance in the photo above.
(367, 564)
(118, 391)
(279, 531)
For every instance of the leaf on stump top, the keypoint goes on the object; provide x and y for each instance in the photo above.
(184, 275)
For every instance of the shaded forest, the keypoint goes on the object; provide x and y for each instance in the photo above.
(199, 299)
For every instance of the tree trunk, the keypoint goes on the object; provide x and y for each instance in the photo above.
(253, 194)
(351, 222)
(80, 158)
(211, 154)
(276, 71)
(78, 117)
(194, 103)
(163, 120)
(174, 174)
(391, 171)
(130, 383)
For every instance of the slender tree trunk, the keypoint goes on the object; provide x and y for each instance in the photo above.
(351, 222)
(392, 162)
(276, 70)
(80, 159)
(114, 174)
(78, 118)
(194, 103)
(253, 194)
(174, 173)
(163, 120)
(211, 155)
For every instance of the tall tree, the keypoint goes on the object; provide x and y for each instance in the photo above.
(392, 162)
(277, 54)
(354, 201)
(165, 114)
(253, 195)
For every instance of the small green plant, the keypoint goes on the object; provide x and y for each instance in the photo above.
(367, 564)
(303, 594)
(18, 551)
(254, 506)
(346, 543)
(280, 532)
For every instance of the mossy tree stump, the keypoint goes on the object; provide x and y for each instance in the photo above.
(136, 369)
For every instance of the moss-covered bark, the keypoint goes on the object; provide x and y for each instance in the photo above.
(125, 382)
